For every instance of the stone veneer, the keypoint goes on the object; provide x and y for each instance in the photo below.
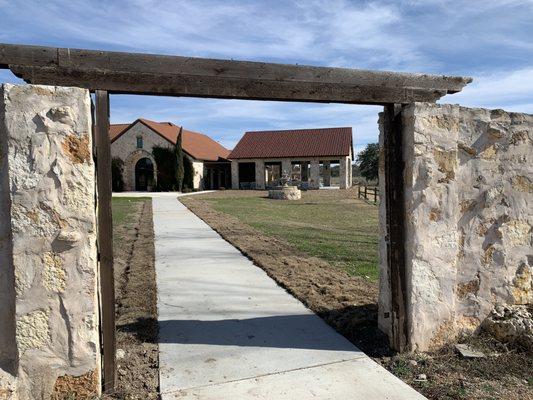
(468, 206)
(49, 340)
(125, 148)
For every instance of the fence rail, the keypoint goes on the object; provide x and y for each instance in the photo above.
(368, 193)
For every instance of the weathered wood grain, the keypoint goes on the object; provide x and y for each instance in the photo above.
(196, 77)
(395, 217)
(105, 237)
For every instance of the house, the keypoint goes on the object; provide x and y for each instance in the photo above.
(134, 145)
(310, 158)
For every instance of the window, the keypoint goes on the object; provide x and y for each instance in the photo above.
(139, 142)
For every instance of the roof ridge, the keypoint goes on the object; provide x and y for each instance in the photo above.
(301, 129)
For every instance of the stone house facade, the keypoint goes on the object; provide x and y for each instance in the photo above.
(134, 144)
(309, 158)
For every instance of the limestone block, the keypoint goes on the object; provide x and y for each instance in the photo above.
(285, 193)
(513, 324)
(468, 203)
(48, 239)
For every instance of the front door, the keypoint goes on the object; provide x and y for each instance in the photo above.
(144, 175)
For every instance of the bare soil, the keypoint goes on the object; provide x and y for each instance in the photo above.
(136, 300)
(349, 305)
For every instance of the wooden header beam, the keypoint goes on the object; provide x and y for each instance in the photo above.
(136, 73)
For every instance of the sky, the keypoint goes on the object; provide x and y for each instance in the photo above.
(491, 41)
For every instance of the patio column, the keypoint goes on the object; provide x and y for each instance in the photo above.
(326, 173)
(305, 171)
(314, 181)
(259, 174)
(286, 167)
(234, 174)
(345, 166)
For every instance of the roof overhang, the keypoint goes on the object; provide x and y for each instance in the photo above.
(136, 73)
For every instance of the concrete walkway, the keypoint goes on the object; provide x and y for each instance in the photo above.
(227, 331)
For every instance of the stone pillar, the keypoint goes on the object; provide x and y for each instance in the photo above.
(49, 341)
(286, 167)
(326, 173)
(344, 175)
(468, 200)
(314, 178)
(260, 174)
(305, 171)
(234, 174)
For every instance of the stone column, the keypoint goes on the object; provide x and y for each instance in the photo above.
(345, 165)
(468, 200)
(260, 174)
(234, 174)
(305, 171)
(314, 179)
(286, 167)
(326, 173)
(49, 341)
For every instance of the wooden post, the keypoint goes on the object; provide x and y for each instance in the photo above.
(105, 236)
(366, 196)
(375, 195)
(394, 194)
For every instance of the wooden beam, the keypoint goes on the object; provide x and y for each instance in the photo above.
(196, 77)
(105, 237)
(394, 200)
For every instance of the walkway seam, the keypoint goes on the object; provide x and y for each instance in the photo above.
(270, 374)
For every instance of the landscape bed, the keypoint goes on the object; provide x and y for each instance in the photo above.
(136, 300)
(323, 250)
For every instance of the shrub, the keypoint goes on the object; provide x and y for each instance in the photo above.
(117, 170)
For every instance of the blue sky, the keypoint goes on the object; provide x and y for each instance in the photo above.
(492, 41)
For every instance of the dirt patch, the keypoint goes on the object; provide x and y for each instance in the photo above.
(347, 303)
(136, 301)
(504, 373)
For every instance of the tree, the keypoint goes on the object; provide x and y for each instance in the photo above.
(368, 160)
(180, 171)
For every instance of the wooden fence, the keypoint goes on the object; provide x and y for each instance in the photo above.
(368, 193)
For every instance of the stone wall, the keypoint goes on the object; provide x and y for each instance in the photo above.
(469, 201)
(49, 341)
(125, 148)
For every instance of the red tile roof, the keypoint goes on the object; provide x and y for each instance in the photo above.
(197, 145)
(294, 143)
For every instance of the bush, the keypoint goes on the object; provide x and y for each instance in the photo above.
(165, 159)
(117, 170)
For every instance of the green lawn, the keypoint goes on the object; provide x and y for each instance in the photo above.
(331, 225)
(122, 208)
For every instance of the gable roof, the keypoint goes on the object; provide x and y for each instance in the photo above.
(294, 143)
(197, 145)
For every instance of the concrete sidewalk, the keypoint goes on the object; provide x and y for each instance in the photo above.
(227, 331)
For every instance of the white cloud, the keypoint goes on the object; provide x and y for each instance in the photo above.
(510, 90)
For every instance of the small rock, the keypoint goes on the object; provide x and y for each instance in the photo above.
(467, 352)
(413, 363)
(421, 378)
(120, 354)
